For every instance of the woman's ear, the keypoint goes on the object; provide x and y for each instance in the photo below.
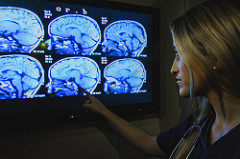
(217, 66)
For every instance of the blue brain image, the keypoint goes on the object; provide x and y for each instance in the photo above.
(124, 38)
(73, 34)
(68, 76)
(21, 30)
(21, 76)
(124, 76)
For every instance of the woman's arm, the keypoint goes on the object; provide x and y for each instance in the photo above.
(139, 138)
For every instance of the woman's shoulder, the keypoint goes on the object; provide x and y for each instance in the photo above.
(168, 140)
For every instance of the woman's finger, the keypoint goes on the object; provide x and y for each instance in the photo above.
(88, 94)
(88, 101)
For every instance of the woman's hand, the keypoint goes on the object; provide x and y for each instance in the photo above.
(93, 104)
(133, 134)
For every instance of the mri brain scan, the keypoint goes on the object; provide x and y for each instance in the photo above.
(20, 30)
(124, 38)
(69, 75)
(21, 76)
(73, 34)
(124, 76)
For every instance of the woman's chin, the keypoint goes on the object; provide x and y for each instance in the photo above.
(184, 93)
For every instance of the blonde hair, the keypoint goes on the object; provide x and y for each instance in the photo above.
(208, 36)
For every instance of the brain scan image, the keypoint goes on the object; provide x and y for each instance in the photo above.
(21, 30)
(21, 76)
(68, 76)
(124, 76)
(73, 34)
(124, 38)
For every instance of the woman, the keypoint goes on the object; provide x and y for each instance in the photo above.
(207, 65)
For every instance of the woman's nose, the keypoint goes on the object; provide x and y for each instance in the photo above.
(174, 68)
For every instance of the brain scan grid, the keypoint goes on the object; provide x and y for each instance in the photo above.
(61, 50)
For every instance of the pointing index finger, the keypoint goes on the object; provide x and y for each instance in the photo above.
(88, 94)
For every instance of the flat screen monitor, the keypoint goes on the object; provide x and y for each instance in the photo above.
(50, 50)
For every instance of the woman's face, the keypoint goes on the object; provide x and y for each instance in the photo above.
(182, 76)
(201, 86)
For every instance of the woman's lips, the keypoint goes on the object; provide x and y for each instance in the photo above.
(179, 81)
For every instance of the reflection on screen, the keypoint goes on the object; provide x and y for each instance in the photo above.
(67, 76)
(20, 30)
(20, 76)
(73, 34)
(124, 76)
(124, 38)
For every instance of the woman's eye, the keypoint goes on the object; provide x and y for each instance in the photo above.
(177, 55)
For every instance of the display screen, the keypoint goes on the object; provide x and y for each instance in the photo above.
(50, 50)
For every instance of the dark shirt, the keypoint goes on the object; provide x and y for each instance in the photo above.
(227, 147)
